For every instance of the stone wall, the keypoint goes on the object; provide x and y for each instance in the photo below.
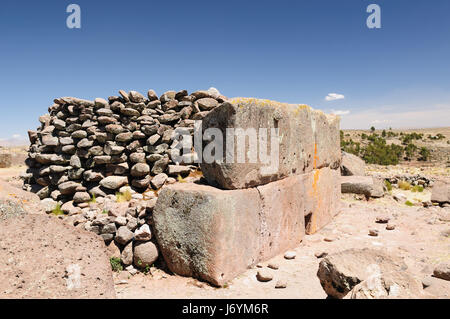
(111, 166)
(85, 148)
(100, 163)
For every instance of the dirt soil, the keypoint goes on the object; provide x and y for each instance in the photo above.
(43, 257)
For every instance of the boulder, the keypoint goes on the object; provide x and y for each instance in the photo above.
(352, 165)
(440, 192)
(307, 139)
(442, 271)
(341, 272)
(145, 254)
(200, 229)
(365, 185)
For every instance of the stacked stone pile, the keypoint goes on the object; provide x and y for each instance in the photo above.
(100, 160)
(92, 148)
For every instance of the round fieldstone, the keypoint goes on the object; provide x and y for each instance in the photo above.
(145, 254)
(113, 182)
(140, 169)
(81, 197)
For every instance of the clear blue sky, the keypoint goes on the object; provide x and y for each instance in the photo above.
(291, 51)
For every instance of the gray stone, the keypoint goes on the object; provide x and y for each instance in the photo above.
(136, 97)
(175, 170)
(159, 180)
(140, 169)
(123, 235)
(311, 140)
(440, 192)
(264, 275)
(364, 185)
(207, 104)
(124, 137)
(137, 157)
(84, 143)
(143, 233)
(127, 254)
(145, 254)
(114, 182)
(339, 273)
(81, 197)
(442, 271)
(80, 134)
(49, 140)
(68, 188)
(352, 165)
(48, 204)
(160, 166)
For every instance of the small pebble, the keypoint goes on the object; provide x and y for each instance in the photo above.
(373, 232)
(321, 254)
(281, 284)
(264, 275)
(382, 220)
(290, 255)
(259, 265)
(390, 227)
(328, 239)
(274, 266)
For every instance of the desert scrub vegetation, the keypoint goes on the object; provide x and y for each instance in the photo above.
(125, 196)
(116, 264)
(404, 185)
(374, 148)
(424, 154)
(57, 211)
(408, 203)
(388, 186)
(437, 137)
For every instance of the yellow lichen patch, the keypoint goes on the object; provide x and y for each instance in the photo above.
(244, 101)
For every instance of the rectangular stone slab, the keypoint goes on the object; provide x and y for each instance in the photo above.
(322, 198)
(308, 139)
(215, 234)
(207, 233)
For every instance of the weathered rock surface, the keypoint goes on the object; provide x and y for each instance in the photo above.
(308, 139)
(386, 276)
(145, 254)
(62, 262)
(352, 165)
(440, 192)
(200, 229)
(364, 185)
(442, 271)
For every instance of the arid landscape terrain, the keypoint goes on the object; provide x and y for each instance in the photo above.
(402, 224)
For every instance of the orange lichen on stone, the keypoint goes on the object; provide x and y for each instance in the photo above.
(312, 227)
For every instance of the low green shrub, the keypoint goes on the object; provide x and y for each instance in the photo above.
(116, 264)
